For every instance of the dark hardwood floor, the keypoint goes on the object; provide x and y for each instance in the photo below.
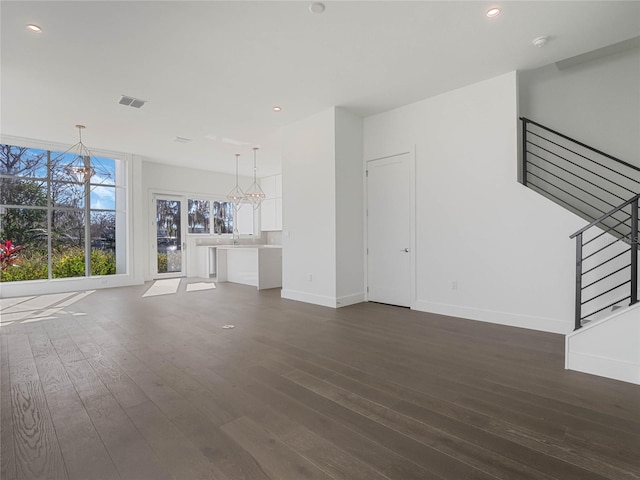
(111, 385)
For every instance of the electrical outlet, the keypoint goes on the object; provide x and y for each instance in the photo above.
(454, 285)
(310, 278)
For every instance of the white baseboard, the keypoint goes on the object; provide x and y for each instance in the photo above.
(323, 300)
(352, 299)
(491, 316)
(604, 367)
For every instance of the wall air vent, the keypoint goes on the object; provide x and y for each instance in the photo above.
(181, 140)
(131, 102)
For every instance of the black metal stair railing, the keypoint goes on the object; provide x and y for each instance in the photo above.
(580, 178)
(601, 189)
(606, 265)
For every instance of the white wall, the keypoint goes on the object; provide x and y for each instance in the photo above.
(507, 247)
(349, 208)
(309, 210)
(168, 179)
(597, 102)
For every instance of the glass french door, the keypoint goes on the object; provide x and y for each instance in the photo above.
(170, 239)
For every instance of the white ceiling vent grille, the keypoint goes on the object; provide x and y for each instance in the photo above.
(181, 140)
(131, 102)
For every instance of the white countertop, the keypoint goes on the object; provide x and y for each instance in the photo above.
(244, 246)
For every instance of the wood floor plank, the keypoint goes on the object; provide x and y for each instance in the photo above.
(51, 372)
(125, 391)
(84, 453)
(38, 455)
(616, 462)
(441, 433)
(22, 367)
(272, 455)
(85, 379)
(167, 399)
(130, 453)
(7, 453)
(175, 452)
(381, 458)
(429, 458)
(190, 389)
(67, 349)
(335, 461)
(236, 463)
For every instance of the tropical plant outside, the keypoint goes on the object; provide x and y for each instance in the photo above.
(65, 263)
(163, 263)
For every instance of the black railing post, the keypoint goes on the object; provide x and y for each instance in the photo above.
(524, 151)
(634, 251)
(578, 307)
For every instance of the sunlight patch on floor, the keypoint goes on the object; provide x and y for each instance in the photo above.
(38, 308)
(166, 286)
(195, 287)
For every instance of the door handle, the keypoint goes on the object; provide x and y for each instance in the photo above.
(406, 250)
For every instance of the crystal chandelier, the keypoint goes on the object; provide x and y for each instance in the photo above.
(236, 195)
(78, 164)
(254, 193)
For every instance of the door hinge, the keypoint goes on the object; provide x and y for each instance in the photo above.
(367, 289)
(367, 251)
(366, 172)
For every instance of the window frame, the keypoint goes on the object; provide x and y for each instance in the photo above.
(121, 210)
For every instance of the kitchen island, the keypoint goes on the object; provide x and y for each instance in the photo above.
(256, 265)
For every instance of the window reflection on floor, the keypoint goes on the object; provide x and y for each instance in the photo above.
(38, 308)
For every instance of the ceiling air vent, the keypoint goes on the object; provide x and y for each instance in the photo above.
(181, 140)
(131, 102)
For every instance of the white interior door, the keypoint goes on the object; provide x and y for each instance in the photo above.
(389, 230)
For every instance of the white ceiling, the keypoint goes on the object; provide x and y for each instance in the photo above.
(216, 69)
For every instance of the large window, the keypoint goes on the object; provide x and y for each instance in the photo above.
(200, 212)
(69, 227)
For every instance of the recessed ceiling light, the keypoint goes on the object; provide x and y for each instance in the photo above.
(277, 109)
(540, 41)
(493, 12)
(34, 28)
(317, 7)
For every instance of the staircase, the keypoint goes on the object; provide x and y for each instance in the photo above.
(603, 190)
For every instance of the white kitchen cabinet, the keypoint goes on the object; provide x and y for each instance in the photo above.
(245, 220)
(259, 266)
(271, 206)
(269, 215)
(206, 264)
(278, 213)
(268, 185)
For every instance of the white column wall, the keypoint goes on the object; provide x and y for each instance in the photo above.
(309, 210)
(349, 209)
(506, 247)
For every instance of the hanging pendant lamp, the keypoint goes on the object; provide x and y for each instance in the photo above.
(78, 164)
(254, 193)
(236, 195)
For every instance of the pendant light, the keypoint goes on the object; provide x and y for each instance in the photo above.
(78, 164)
(254, 193)
(236, 195)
